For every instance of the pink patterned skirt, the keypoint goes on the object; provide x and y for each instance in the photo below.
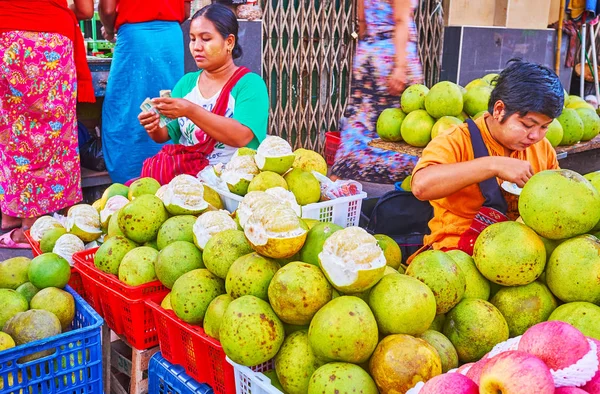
(39, 157)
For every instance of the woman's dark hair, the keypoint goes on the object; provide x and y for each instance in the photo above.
(225, 22)
(528, 87)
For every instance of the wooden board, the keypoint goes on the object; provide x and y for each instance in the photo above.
(527, 14)
(580, 147)
(469, 12)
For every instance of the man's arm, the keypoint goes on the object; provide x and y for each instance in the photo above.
(107, 9)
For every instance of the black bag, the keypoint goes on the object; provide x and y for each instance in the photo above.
(91, 155)
(401, 216)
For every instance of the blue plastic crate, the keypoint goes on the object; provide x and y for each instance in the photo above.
(74, 367)
(167, 378)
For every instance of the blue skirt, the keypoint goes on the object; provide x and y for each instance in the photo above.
(148, 58)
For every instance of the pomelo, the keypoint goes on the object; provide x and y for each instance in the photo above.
(554, 134)
(314, 242)
(444, 99)
(266, 180)
(572, 126)
(416, 128)
(389, 123)
(304, 185)
(309, 160)
(142, 186)
(391, 250)
(413, 98)
(582, 315)
(591, 123)
(49, 270)
(477, 99)
(477, 285)
(444, 123)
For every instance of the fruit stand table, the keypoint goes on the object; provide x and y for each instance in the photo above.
(583, 157)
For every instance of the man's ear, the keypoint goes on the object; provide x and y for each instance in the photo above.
(499, 111)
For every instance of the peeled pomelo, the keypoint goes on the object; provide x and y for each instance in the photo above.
(84, 221)
(209, 224)
(41, 225)
(314, 242)
(185, 196)
(239, 172)
(67, 245)
(274, 154)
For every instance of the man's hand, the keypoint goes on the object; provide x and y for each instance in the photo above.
(108, 36)
(512, 170)
(172, 107)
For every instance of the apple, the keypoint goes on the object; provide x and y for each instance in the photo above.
(474, 372)
(515, 372)
(463, 369)
(570, 390)
(450, 383)
(556, 343)
(593, 386)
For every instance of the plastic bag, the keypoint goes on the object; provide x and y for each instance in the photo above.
(331, 190)
(91, 155)
(250, 11)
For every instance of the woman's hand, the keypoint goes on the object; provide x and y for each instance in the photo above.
(397, 81)
(108, 36)
(149, 120)
(172, 107)
(513, 170)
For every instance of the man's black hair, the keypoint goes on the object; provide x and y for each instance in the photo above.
(527, 87)
(225, 21)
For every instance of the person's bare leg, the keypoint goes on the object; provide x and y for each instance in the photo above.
(19, 235)
(10, 222)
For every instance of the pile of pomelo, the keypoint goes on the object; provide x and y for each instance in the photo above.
(425, 113)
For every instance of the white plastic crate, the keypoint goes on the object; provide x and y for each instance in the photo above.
(343, 211)
(252, 380)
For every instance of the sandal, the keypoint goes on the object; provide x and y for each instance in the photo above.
(4, 230)
(6, 241)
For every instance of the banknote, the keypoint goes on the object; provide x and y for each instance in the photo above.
(148, 106)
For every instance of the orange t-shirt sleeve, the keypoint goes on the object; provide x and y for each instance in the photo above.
(448, 148)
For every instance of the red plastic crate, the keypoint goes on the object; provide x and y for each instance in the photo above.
(74, 282)
(332, 143)
(123, 307)
(201, 356)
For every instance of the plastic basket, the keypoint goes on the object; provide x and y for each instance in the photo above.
(74, 367)
(332, 143)
(252, 380)
(122, 306)
(343, 211)
(201, 356)
(167, 378)
(74, 282)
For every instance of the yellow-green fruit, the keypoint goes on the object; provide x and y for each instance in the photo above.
(444, 347)
(50, 237)
(438, 323)
(591, 123)
(477, 99)
(444, 99)
(250, 275)
(491, 78)
(6, 342)
(389, 124)
(477, 285)
(214, 314)
(142, 186)
(405, 185)
(416, 128)
(444, 123)
(49, 270)
(13, 272)
(582, 315)
(477, 83)
(58, 302)
(166, 302)
(177, 228)
(223, 249)
(113, 227)
(212, 197)
(141, 219)
(296, 362)
(314, 242)
(572, 126)
(109, 255)
(310, 223)
(266, 180)
(481, 113)
(413, 98)
(193, 292)
(12, 303)
(554, 134)
(474, 327)
(116, 189)
(391, 250)
(33, 325)
(304, 185)
(309, 160)
(176, 259)
(137, 266)
(341, 378)
(27, 290)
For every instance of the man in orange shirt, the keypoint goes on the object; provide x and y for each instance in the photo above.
(526, 99)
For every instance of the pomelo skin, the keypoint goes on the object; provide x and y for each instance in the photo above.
(444, 347)
(582, 315)
(339, 378)
(388, 124)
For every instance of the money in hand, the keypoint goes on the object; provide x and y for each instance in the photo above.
(148, 106)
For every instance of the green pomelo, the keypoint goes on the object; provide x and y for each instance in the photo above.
(250, 332)
(524, 306)
(391, 250)
(402, 305)
(272, 375)
(438, 323)
(477, 285)
(50, 237)
(212, 197)
(444, 99)
(405, 185)
(27, 290)
(581, 105)
(474, 327)
(310, 223)
(13, 272)
(277, 164)
(582, 315)
(193, 292)
(444, 347)
(477, 99)
(177, 228)
(572, 126)
(296, 362)
(481, 113)
(141, 219)
(389, 123)
(267, 180)
(509, 254)
(416, 128)
(58, 302)
(49, 270)
(309, 160)
(251, 275)
(113, 227)
(12, 303)
(413, 98)
(341, 378)
(573, 271)
(344, 330)
(33, 325)
(116, 189)
(214, 314)
(591, 123)
(554, 133)
(304, 185)
(151, 244)
(480, 82)
(6, 342)
(109, 255)
(137, 266)
(166, 302)
(142, 186)
(314, 242)
(176, 259)
(223, 249)
(245, 151)
(443, 276)
(297, 291)
(444, 123)
(240, 188)
(463, 116)
(389, 271)
(491, 78)
(559, 204)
